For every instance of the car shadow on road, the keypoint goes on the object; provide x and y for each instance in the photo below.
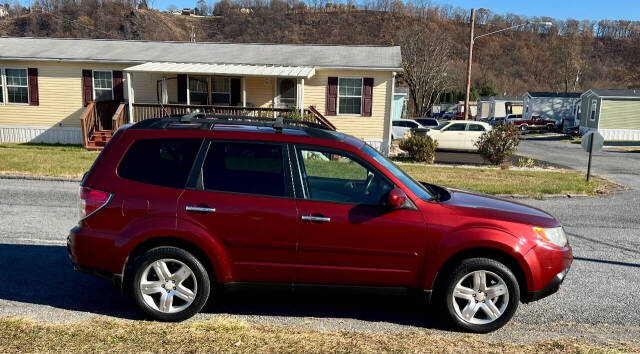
(402, 309)
(43, 275)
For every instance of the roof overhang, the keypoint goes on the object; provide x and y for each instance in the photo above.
(301, 72)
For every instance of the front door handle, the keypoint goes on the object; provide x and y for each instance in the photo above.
(315, 218)
(200, 209)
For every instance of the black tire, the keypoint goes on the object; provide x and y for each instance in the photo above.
(551, 127)
(524, 127)
(467, 266)
(199, 273)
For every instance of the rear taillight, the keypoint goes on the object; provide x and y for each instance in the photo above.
(91, 200)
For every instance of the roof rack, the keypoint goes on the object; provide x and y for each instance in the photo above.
(209, 120)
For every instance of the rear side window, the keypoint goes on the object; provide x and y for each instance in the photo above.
(248, 168)
(476, 128)
(457, 127)
(161, 162)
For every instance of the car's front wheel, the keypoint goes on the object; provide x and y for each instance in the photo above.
(170, 284)
(480, 295)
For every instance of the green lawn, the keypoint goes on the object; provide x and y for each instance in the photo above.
(45, 160)
(73, 161)
(498, 181)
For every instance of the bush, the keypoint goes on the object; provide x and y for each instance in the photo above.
(419, 148)
(499, 143)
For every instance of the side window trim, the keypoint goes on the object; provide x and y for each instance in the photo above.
(297, 148)
(196, 181)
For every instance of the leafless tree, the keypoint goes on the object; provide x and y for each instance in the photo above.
(425, 58)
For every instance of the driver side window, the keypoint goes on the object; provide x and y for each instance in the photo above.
(338, 178)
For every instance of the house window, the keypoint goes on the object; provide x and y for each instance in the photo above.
(350, 96)
(592, 115)
(287, 91)
(1, 87)
(220, 90)
(17, 85)
(198, 90)
(102, 86)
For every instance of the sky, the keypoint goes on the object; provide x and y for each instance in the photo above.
(559, 9)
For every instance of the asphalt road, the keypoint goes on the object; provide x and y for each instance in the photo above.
(599, 300)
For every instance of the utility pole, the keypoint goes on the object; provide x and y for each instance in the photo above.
(466, 98)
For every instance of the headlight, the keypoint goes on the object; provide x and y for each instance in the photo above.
(553, 235)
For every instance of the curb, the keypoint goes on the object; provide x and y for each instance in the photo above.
(39, 178)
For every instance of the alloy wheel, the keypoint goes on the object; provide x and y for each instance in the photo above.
(168, 285)
(480, 297)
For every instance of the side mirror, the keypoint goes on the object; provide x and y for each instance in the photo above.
(396, 198)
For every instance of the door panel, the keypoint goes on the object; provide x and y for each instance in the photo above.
(360, 245)
(244, 201)
(347, 235)
(453, 137)
(258, 233)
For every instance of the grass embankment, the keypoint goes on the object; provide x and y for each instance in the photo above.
(230, 335)
(45, 160)
(73, 161)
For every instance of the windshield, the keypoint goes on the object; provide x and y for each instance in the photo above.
(415, 187)
(440, 126)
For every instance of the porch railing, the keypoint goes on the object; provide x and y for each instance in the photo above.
(143, 111)
(88, 122)
(119, 117)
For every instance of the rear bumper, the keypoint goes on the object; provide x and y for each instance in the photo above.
(92, 255)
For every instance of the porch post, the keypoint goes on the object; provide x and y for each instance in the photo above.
(188, 95)
(244, 91)
(301, 95)
(165, 93)
(130, 97)
(386, 140)
(275, 93)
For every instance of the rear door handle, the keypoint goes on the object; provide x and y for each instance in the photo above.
(200, 209)
(315, 218)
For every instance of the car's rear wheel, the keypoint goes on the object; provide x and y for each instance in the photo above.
(523, 128)
(551, 127)
(170, 284)
(480, 295)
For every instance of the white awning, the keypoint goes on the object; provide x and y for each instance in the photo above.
(225, 69)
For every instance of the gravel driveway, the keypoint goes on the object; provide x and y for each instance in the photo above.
(599, 300)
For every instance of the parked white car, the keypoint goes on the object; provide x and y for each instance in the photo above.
(400, 126)
(458, 135)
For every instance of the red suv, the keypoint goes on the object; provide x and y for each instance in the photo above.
(174, 205)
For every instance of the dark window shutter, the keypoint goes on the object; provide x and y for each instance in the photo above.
(367, 96)
(34, 100)
(118, 87)
(332, 95)
(87, 87)
(182, 88)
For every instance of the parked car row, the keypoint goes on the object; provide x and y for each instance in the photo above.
(450, 135)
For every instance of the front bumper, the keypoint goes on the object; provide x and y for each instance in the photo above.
(551, 288)
(548, 265)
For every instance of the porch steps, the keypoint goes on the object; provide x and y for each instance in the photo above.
(99, 139)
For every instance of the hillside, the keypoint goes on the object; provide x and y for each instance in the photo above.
(512, 62)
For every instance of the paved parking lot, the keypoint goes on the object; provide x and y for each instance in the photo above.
(602, 287)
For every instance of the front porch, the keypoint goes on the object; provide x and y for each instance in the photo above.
(101, 119)
(168, 89)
